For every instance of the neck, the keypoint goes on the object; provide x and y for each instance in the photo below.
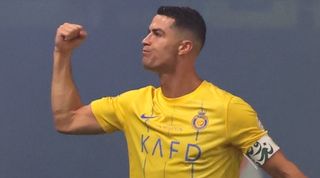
(179, 83)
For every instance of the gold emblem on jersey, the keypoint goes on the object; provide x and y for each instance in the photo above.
(200, 121)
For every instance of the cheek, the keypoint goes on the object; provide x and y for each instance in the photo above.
(164, 53)
(170, 52)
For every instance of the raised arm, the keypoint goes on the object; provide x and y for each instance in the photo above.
(70, 115)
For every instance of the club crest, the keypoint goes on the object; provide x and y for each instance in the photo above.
(200, 121)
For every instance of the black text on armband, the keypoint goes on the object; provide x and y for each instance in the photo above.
(262, 150)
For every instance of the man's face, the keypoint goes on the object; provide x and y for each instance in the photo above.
(160, 46)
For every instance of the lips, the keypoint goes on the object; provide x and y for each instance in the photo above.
(145, 51)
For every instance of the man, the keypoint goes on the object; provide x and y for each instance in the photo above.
(187, 127)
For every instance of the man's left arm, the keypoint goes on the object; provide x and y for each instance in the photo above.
(247, 133)
(278, 166)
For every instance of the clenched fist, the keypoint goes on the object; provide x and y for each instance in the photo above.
(68, 37)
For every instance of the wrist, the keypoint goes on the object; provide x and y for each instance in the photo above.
(60, 52)
(61, 58)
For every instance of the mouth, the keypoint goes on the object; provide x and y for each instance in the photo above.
(145, 51)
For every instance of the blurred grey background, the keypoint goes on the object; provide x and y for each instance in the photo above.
(265, 51)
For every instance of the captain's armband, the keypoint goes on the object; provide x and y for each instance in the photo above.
(262, 150)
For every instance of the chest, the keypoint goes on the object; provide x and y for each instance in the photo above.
(186, 131)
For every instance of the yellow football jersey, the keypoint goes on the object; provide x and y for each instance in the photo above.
(200, 135)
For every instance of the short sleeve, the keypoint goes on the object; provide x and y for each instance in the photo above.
(107, 111)
(243, 125)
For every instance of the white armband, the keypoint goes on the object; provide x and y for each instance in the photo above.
(262, 150)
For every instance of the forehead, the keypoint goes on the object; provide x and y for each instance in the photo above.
(161, 21)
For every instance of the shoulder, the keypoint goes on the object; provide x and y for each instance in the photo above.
(124, 101)
(135, 96)
(137, 93)
(227, 101)
(127, 97)
(218, 93)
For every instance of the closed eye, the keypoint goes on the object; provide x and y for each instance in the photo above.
(157, 32)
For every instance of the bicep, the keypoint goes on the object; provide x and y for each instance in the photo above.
(83, 121)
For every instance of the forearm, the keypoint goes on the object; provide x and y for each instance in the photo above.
(65, 97)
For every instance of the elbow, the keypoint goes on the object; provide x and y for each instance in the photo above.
(61, 130)
(279, 166)
(290, 170)
(61, 123)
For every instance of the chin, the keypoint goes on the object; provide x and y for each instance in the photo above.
(149, 67)
(146, 63)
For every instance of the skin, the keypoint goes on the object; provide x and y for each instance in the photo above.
(71, 116)
(171, 54)
(167, 50)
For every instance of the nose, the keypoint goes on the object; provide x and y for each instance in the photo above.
(146, 40)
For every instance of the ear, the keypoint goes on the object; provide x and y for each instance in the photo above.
(185, 47)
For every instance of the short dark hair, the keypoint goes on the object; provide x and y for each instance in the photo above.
(186, 18)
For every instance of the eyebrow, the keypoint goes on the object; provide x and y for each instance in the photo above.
(154, 30)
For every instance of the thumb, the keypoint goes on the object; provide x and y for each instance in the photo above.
(83, 34)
